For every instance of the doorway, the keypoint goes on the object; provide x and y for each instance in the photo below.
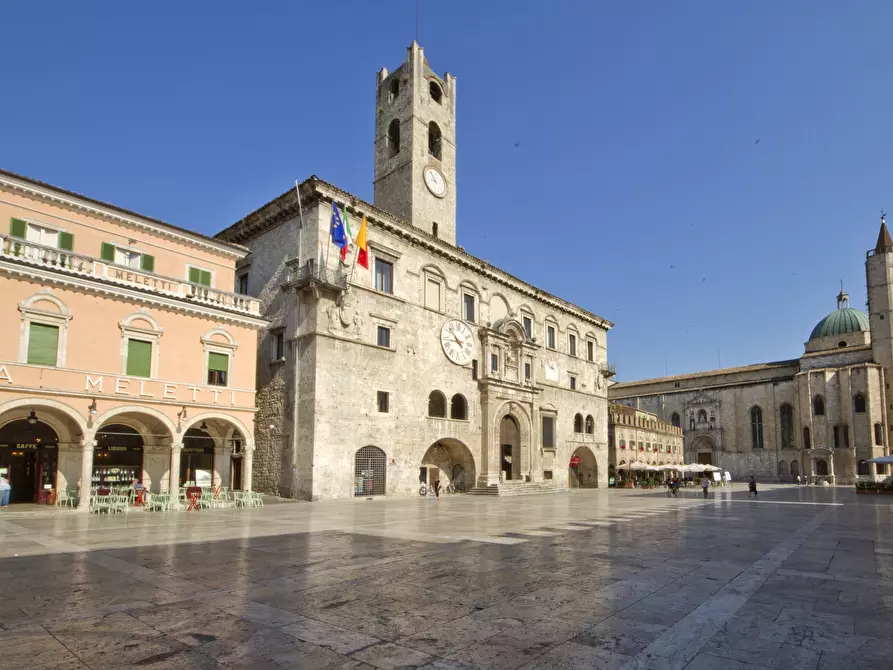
(28, 457)
(510, 448)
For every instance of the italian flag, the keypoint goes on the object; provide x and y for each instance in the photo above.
(349, 237)
(363, 252)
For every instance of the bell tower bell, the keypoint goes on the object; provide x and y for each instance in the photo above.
(415, 145)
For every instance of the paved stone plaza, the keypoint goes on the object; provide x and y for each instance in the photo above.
(802, 578)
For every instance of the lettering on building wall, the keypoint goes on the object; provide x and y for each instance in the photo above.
(4, 375)
(154, 282)
(148, 389)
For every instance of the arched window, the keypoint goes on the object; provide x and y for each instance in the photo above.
(859, 403)
(806, 444)
(436, 92)
(590, 425)
(756, 427)
(818, 406)
(435, 140)
(795, 468)
(458, 407)
(369, 472)
(393, 89)
(878, 434)
(437, 404)
(786, 416)
(702, 416)
(578, 423)
(782, 468)
(675, 420)
(393, 139)
(836, 436)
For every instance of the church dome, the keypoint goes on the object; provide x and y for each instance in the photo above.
(843, 320)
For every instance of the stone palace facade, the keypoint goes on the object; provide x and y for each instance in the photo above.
(820, 416)
(430, 363)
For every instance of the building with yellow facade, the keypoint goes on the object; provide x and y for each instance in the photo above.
(124, 354)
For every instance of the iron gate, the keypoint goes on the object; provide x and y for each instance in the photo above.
(369, 472)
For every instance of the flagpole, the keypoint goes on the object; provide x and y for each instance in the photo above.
(301, 229)
(331, 221)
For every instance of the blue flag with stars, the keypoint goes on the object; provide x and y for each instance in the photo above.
(339, 235)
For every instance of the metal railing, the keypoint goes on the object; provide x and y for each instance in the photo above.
(59, 260)
(312, 272)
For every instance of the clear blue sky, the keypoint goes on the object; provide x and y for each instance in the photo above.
(637, 189)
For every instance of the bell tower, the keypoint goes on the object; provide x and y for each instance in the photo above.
(879, 280)
(415, 145)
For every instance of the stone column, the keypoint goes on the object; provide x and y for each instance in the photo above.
(247, 463)
(174, 481)
(223, 464)
(86, 474)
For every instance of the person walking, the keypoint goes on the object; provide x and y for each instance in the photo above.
(670, 490)
(705, 485)
(752, 487)
(5, 492)
(437, 488)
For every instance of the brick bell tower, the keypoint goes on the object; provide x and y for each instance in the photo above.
(415, 145)
(879, 280)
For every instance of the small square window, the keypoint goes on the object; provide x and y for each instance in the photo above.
(243, 284)
(527, 371)
(384, 337)
(494, 362)
(384, 276)
(572, 344)
(468, 307)
(527, 322)
(547, 474)
(590, 350)
(550, 337)
(573, 383)
(384, 399)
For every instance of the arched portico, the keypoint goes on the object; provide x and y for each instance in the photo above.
(821, 461)
(450, 461)
(217, 444)
(583, 469)
(129, 442)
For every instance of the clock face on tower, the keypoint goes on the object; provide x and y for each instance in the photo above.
(435, 181)
(457, 341)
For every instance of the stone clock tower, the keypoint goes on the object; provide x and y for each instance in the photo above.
(415, 145)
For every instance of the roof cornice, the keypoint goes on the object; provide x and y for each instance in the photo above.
(70, 200)
(314, 189)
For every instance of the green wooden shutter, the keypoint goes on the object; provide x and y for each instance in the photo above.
(43, 344)
(195, 276)
(205, 278)
(139, 358)
(107, 252)
(218, 362)
(66, 241)
(17, 228)
(147, 263)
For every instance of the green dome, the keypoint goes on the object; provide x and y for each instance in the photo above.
(839, 322)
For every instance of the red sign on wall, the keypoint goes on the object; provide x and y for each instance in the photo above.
(575, 461)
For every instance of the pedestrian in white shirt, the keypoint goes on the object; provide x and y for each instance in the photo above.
(5, 492)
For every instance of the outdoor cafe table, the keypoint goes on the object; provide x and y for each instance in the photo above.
(140, 499)
(193, 493)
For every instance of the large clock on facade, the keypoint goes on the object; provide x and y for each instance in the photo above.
(457, 341)
(435, 181)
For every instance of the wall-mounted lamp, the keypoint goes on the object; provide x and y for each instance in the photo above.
(92, 408)
(204, 426)
(182, 413)
(32, 417)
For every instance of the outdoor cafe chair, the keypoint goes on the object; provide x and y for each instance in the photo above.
(158, 502)
(66, 497)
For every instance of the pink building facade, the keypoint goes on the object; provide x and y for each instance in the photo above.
(125, 354)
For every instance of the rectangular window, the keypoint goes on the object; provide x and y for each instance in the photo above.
(590, 350)
(494, 362)
(242, 288)
(139, 358)
(40, 235)
(384, 274)
(550, 337)
(126, 257)
(384, 402)
(199, 276)
(572, 344)
(547, 474)
(277, 346)
(468, 305)
(527, 371)
(573, 381)
(432, 294)
(474, 369)
(384, 337)
(218, 366)
(527, 322)
(548, 432)
(43, 344)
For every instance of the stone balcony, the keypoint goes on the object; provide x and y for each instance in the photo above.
(312, 275)
(58, 260)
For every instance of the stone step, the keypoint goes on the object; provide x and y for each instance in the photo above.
(513, 489)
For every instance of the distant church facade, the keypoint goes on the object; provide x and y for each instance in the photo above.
(428, 365)
(820, 416)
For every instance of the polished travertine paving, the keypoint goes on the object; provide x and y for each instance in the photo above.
(801, 578)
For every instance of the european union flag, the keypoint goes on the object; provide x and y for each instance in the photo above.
(339, 236)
